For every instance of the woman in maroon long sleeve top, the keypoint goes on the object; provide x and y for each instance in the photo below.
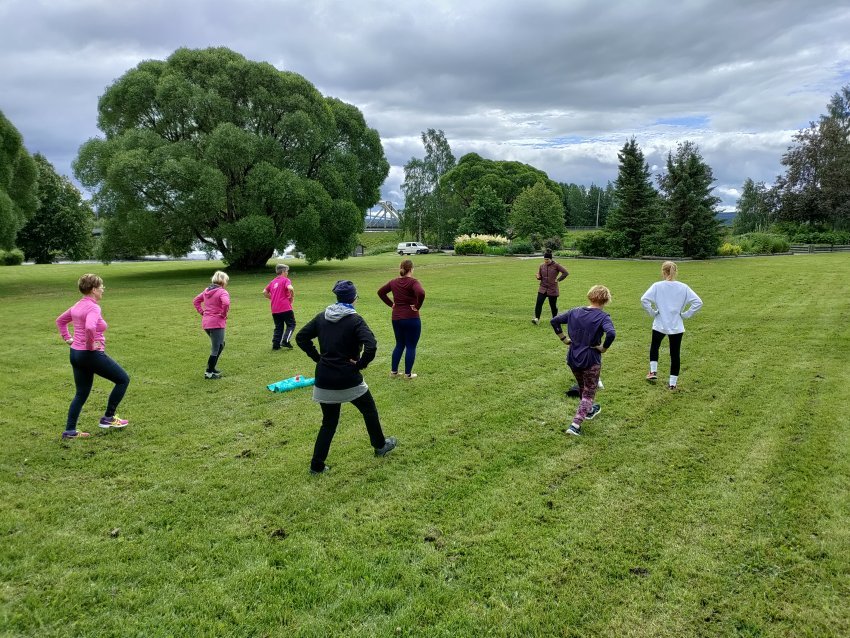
(407, 298)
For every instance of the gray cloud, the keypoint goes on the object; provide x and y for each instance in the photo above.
(558, 84)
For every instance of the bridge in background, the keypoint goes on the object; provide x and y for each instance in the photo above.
(386, 217)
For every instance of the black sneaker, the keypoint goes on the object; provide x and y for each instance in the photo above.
(212, 375)
(324, 470)
(596, 409)
(389, 446)
(286, 344)
(575, 431)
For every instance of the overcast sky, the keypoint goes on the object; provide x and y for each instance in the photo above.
(558, 84)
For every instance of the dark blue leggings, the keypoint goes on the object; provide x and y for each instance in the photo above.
(86, 364)
(407, 333)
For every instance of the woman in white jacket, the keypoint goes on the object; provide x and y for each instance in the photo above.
(668, 302)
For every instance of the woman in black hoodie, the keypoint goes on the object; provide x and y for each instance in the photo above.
(346, 346)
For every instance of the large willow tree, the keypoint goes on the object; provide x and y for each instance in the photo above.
(209, 147)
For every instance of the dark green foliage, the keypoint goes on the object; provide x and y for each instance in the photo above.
(205, 145)
(815, 188)
(593, 244)
(62, 223)
(537, 209)
(474, 174)
(486, 215)
(604, 243)
(833, 237)
(620, 244)
(660, 244)
(18, 183)
(519, 248)
(553, 243)
(430, 212)
(754, 209)
(762, 243)
(689, 207)
(472, 246)
(635, 211)
(585, 206)
(548, 243)
(13, 257)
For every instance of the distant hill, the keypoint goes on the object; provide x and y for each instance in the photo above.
(726, 218)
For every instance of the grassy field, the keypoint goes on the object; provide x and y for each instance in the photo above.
(719, 510)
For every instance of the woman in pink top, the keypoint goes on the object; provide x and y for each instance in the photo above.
(281, 293)
(213, 304)
(408, 297)
(88, 356)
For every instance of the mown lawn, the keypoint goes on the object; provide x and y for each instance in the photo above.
(719, 510)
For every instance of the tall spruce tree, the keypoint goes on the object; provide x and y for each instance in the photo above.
(753, 212)
(635, 199)
(689, 207)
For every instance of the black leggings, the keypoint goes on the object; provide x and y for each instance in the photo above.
(284, 326)
(553, 304)
(675, 349)
(86, 364)
(330, 418)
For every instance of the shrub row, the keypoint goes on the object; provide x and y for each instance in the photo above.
(761, 243)
(831, 237)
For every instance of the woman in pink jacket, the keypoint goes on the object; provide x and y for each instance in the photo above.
(213, 304)
(88, 356)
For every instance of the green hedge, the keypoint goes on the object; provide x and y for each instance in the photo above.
(762, 243)
(14, 257)
(831, 237)
(473, 246)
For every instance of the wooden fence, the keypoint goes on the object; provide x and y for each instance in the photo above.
(819, 248)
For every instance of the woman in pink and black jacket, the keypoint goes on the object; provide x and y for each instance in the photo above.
(213, 304)
(89, 358)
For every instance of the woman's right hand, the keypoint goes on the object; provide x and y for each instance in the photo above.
(69, 341)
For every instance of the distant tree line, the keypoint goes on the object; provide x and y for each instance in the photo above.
(811, 199)
(209, 148)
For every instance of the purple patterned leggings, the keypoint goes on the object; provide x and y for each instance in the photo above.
(587, 379)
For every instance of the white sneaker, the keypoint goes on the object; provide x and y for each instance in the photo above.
(535, 321)
(599, 385)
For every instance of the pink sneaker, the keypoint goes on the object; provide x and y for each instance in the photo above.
(112, 422)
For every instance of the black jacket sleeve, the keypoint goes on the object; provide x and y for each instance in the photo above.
(305, 337)
(370, 344)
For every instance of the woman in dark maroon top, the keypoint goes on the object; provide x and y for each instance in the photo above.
(407, 298)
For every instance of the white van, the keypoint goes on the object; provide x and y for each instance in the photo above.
(412, 248)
